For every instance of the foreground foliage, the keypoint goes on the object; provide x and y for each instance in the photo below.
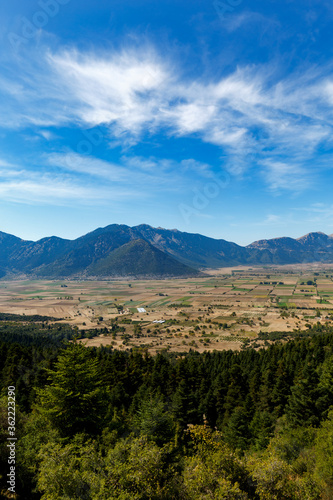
(104, 424)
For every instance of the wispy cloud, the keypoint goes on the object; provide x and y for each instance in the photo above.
(118, 90)
(82, 164)
(256, 117)
(69, 178)
(271, 220)
(133, 171)
(240, 19)
(318, 214)
(280, 175)
(26, 185)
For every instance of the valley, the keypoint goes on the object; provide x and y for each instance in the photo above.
(229, 308)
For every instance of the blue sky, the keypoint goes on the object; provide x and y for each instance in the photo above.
(210, 117)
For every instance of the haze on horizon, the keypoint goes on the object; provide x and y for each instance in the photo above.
(199, 117)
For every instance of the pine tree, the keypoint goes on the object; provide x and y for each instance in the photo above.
(152, 419)
(184, 409)
(236, 432)
(301, 409)
(74, 399)
(325, 387)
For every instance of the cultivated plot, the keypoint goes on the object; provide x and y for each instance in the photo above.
(223, 310)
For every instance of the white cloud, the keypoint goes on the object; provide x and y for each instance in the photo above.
(48, 135)
(48, 190)
(239, 20)
(271, 220)
(87, 165)
(255, 117)
(319, 215)
(26, 185)
(140, 174)
(114, 90)
(280, 175)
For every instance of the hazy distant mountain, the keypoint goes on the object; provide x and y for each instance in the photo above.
(144, 251)
(313, 247)
(194, 249)
(200, 251)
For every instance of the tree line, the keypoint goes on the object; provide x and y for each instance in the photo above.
(98, 423)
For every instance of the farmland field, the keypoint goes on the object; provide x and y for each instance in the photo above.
(226, 309)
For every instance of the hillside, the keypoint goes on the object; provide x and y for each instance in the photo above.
(137, 258)
(313, 247)
(251, 425)
(120, 250)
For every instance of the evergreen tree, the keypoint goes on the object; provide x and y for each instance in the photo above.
(74, 401)
(236, 391)
(261, 428)
(325, 387)
(152, 420)
(236, 432)
(302, 408)
(184, 409)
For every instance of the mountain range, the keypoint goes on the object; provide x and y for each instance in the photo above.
(143, 251)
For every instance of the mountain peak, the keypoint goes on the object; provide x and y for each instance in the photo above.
(147, 251)
(313, 234)
(314, 238)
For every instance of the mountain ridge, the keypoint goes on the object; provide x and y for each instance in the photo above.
(156, 252)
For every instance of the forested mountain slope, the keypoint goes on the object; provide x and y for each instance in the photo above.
(158, 252)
